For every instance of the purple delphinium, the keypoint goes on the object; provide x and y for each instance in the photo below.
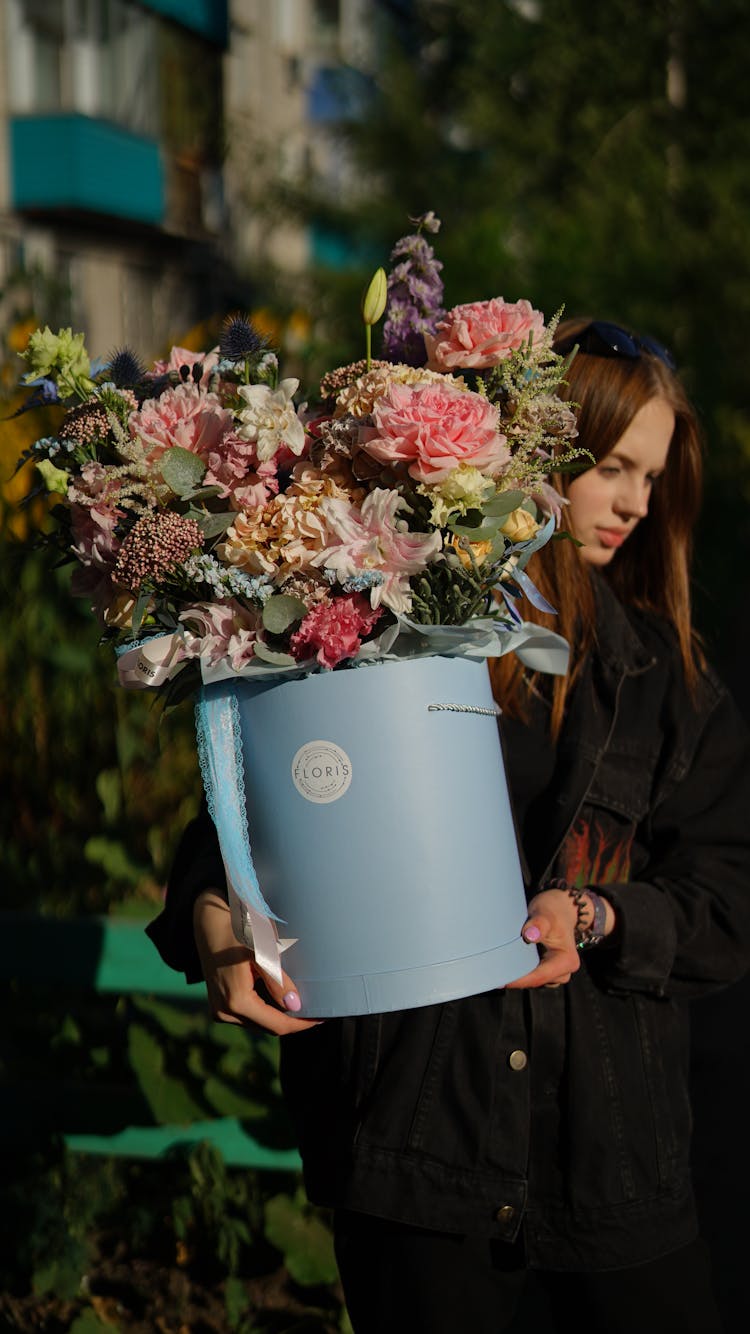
(415, 295)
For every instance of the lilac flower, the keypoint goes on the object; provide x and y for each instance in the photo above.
(415, 295)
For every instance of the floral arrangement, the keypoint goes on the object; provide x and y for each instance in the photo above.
(205, 505)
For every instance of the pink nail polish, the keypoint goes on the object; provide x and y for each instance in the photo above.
(532, 934)
(292, 1001)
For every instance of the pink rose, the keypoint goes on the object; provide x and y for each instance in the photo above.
(182, 416)
(434, 428)
(482, 333)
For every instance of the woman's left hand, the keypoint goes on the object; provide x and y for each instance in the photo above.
(551, 925)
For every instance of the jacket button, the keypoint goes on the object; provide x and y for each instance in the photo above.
(518, 1060)
(505, 1215)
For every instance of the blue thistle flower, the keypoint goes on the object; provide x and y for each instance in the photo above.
(239, 339)
(126, 368)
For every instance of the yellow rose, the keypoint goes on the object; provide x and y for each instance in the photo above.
(480, 551)
(519, 526)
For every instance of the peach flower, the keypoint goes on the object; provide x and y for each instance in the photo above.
(482, 333)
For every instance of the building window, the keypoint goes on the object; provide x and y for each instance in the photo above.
(95, 57)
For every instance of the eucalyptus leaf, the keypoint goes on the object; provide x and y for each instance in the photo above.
(565, 536)
(213, 525)
(281, 612)
(504, 503)
(270, 655)
(182, 470)
(139, 611)
(483, 533)
(202, 493)
(499, 547)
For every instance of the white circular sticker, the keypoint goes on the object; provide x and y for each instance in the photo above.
(321, 771)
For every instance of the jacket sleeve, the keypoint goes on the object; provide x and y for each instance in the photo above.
(197, 866)
(683, 924)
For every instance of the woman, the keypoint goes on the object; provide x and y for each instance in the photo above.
(546, 1126)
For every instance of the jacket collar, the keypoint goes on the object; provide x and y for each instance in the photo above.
(618, 643)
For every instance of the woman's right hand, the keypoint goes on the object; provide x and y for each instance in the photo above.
(231, 975)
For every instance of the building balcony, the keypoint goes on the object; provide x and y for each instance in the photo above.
(208, 18)
(76, 164)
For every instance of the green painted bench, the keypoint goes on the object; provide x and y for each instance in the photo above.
(114, 955)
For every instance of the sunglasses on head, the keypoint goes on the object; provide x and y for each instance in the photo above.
(601, 339)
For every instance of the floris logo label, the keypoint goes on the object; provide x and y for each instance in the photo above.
(321, 771)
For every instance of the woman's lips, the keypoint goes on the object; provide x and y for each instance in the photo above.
(612, 537)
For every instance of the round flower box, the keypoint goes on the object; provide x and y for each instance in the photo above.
(381, 832)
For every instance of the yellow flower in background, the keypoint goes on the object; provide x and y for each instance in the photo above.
(19, 335)
(16, 436)
(267, 324)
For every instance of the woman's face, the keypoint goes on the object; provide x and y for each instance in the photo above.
(608, 500)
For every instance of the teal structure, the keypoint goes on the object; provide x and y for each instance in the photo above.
(74, 162)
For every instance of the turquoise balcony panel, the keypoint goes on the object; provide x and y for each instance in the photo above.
(75, 163)
(209, 18)
(333, 249)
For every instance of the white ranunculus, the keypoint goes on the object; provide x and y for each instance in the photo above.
(270, 419)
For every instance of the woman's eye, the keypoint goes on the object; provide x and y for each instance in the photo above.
(609, 471)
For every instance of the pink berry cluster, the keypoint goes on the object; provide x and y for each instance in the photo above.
(85, 424)
(155, 545)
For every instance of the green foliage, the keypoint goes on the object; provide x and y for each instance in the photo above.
(586, 155)
(110, 1062)
(102, 783)
(190, 1214)
(182, 470)
(217, 1211)
(299, 1232)
(282, 611)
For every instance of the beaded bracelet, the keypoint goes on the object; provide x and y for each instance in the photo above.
(585, 936)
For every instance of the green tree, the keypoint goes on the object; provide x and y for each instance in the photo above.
(591, 155)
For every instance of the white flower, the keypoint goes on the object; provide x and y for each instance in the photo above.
(270, 419)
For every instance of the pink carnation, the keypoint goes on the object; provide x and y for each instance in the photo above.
(246, 483)
(434, 428)
(182, 416)
(334, 629)
(482, 333)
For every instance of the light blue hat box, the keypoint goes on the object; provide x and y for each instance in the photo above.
(381, 832)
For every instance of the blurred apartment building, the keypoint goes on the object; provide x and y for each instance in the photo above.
(140, 138)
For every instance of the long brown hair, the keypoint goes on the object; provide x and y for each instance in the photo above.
(651, 571)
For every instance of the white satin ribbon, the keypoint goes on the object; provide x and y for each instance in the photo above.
(150, 664)
(259, 933)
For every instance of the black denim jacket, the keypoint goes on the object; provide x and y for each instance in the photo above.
(560, 1115)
